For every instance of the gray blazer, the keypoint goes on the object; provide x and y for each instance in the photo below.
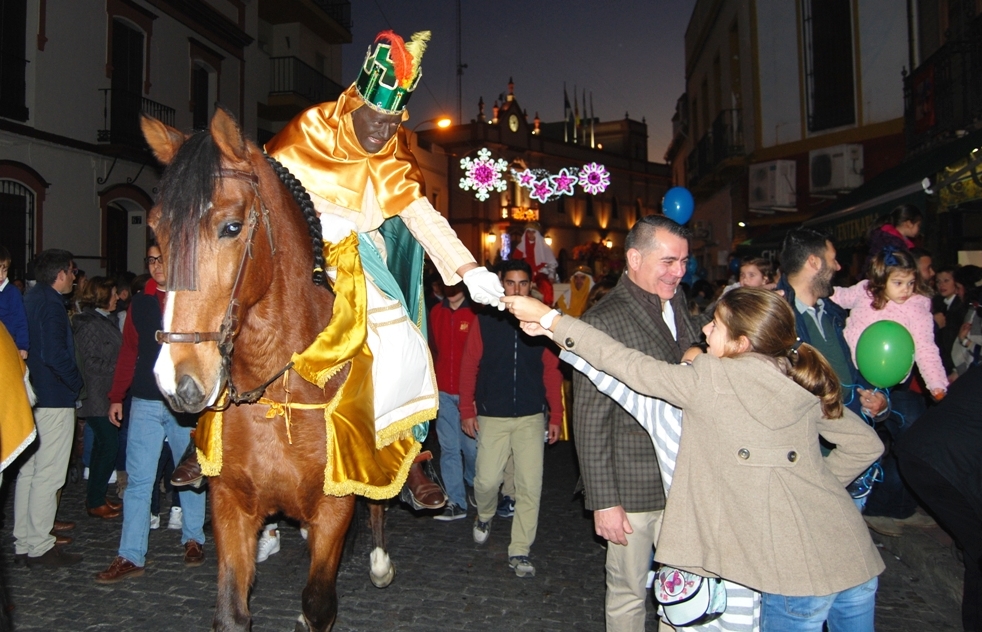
(617, 460)
(97, 343)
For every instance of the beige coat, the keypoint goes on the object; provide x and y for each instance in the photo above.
(752, 500)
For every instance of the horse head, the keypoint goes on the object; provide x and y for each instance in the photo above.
(214, 227)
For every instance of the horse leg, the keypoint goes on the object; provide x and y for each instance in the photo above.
(382, 569)
(235, 546)
(325, 539)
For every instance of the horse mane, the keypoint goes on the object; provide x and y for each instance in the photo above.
(186, 190)
(187, 187)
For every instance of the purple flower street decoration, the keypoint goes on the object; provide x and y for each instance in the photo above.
(594, 178)
(564, 182)
(526, 178)
(541, 190)
(483, 174)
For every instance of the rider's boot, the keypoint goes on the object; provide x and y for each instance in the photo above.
(188, 472)
(420, 492)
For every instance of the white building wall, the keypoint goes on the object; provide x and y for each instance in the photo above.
(779, 72)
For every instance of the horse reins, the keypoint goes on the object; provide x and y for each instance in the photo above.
(225, 336)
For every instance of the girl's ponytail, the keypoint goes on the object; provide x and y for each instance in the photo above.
(811, 371)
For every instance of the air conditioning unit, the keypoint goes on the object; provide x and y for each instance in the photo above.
(837, 168)
(772, 186)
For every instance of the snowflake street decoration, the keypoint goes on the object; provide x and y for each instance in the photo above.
(542, 190)
(564, 182)
(483, 174)
(525, 178)
(594, 178)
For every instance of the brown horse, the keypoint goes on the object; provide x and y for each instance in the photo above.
(241, 253)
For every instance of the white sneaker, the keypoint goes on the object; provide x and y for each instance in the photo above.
(112, 477)
(176, 518)
(154, 521)
(269, 543)
(85, 474)
(303, 533)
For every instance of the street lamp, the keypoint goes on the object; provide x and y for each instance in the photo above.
(443, 122)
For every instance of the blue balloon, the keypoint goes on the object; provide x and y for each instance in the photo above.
(678, 204)
(691, 265)
(735, 266)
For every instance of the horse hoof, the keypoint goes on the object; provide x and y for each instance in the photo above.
(382, 582)
(301, 625)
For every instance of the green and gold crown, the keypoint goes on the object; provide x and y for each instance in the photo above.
(392, 71)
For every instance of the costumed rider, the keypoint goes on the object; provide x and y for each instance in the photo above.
(574, 299)
(354, 159)
(534, 250)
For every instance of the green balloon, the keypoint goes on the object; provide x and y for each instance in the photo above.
(885, 353)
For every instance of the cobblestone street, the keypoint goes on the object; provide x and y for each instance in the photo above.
(443, 580)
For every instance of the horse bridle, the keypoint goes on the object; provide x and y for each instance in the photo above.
(229, 329)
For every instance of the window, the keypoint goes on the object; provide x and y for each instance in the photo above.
(614, 210)
(829, 64)
(17, 224)
(126, 96)
(13, 65)
(589, 206)
(561, 205)
(199, 97)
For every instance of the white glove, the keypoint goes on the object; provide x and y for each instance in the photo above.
(335, 228)
(484, 286)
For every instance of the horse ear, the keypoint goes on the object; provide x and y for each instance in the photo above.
(227, 135)
(163, 139)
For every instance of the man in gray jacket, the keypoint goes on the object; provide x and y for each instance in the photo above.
(623, 487)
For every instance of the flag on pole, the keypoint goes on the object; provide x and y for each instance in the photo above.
(592, 139)
(567, 112)
(576, 115)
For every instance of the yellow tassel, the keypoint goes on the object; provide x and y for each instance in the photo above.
(416, 47)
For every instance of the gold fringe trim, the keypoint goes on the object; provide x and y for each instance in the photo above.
(213, 467)
(403, 428)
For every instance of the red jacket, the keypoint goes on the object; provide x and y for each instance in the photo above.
(448, 332)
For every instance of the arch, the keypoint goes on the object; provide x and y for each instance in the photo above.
(26, 176)
(124, 209)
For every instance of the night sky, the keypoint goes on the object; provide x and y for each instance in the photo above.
(629, 53)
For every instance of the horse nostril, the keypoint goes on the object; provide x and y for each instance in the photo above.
(188, 391)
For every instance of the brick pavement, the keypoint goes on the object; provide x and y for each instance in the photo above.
(443, 580)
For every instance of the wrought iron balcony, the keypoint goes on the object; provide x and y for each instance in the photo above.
(289, 75)
(13, 86)
(121, 117)
(944, 94)
(723, 140)
(339, 10)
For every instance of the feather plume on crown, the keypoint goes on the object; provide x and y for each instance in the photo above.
(405, 57)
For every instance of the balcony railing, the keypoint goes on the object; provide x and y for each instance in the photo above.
(723, 140)
(13, 86)
(121, 117)
(944, 94)
(289, 75)
(339, 10)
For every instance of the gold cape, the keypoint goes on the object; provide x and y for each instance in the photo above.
(16, 419)
(356, 464)
(320, 148)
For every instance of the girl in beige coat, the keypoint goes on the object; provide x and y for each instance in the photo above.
(753, 500)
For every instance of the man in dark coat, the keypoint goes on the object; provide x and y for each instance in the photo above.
(57, 383)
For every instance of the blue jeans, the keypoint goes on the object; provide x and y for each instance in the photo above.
(454, 444)
(150, 422)
(847, 611)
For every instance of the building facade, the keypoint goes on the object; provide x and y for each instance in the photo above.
(75, 76)
(580, 222)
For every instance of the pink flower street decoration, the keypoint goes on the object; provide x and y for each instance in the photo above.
(564, 182)
(594, 178)
(483, 174)
(526, 178)
(541, 190)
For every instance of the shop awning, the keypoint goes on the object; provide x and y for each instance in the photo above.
(848, 219)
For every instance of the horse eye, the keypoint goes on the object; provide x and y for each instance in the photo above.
(232, 229)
